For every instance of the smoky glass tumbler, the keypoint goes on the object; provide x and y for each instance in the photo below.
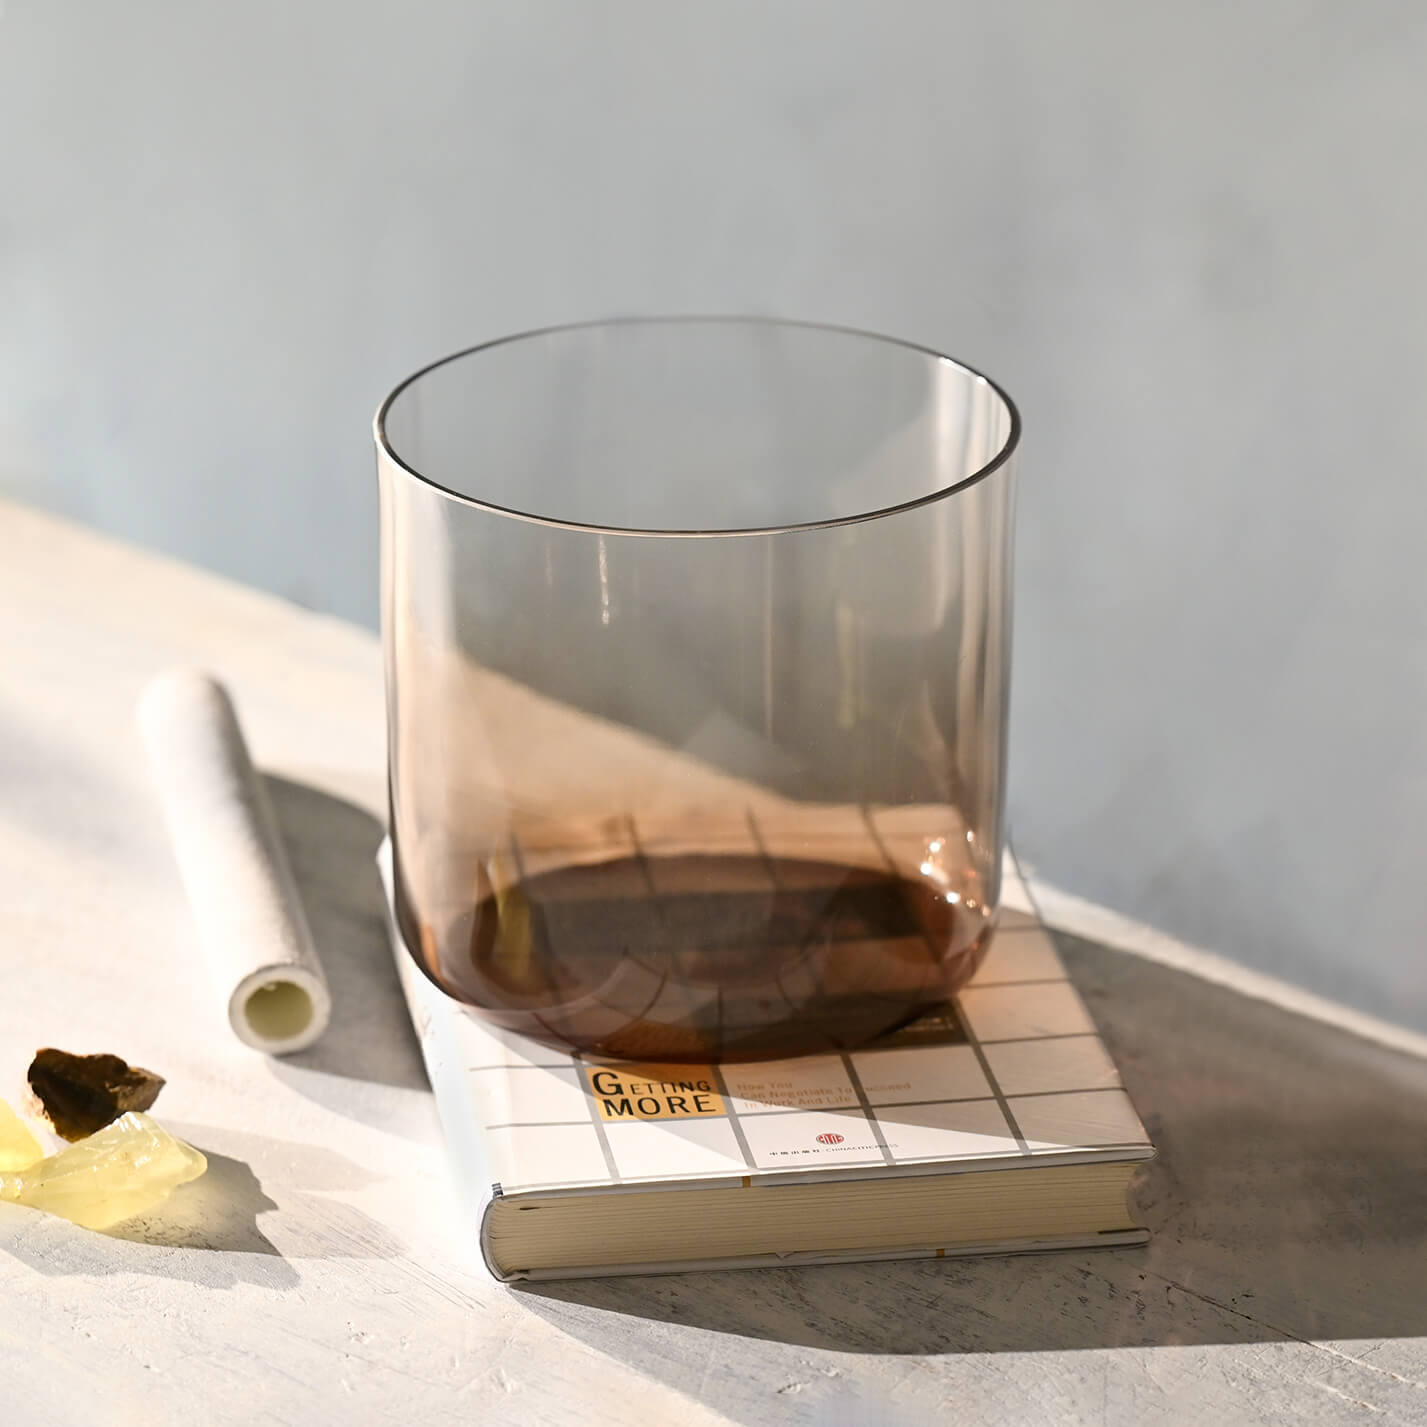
(697, 651)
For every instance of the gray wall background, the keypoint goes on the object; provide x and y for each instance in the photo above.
(1190, 239)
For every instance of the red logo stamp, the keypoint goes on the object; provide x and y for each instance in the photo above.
(829, 1139)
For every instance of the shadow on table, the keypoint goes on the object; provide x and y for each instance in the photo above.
(1287, 1202)
(217, 1212)
(332, 845)
(224, 1228)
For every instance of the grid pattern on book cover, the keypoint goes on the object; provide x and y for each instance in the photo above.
(1012, 1072)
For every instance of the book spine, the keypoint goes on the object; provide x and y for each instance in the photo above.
(445, 1068)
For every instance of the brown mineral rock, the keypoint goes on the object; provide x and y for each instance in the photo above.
(80, 1094)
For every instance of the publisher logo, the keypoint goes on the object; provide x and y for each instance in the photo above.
(829, 1139)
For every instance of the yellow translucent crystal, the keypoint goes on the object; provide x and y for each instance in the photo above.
(127, 1168)
(19, 1149)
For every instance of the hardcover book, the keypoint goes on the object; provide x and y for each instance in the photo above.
(997, 1125)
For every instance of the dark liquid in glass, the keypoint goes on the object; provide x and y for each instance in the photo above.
(698, 958)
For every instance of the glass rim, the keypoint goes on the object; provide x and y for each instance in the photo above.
(1003, 455)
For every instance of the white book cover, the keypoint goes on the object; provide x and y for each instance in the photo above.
(1013, 1074)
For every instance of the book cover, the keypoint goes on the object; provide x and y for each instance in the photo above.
(1013, 1075)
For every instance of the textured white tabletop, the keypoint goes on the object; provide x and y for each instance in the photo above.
(321, 1271)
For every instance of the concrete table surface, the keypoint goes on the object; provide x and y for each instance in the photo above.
(322, 1270)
